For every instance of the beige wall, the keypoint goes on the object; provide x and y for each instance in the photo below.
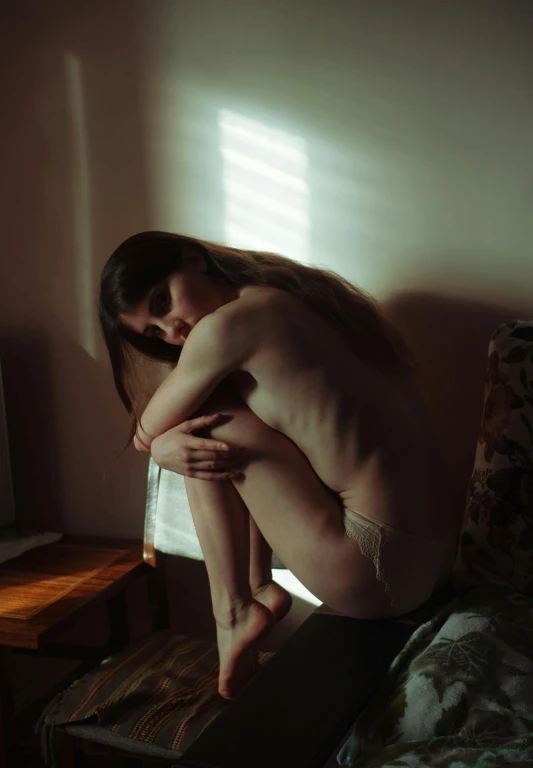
(406, 128)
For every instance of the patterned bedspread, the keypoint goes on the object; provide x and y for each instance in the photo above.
(460, 694)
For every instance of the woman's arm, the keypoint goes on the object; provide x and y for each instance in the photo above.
(215, 347)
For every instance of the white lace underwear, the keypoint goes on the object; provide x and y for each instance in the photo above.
(408, 566)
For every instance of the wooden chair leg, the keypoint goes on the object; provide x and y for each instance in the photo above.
(119, 627)
(2, 740)
(6, 684)
(158, 594)
(64, 749)
(6, 705)
(79, 756)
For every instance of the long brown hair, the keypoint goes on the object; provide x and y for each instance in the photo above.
(145, 259)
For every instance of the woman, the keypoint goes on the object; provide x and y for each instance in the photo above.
(298, 369)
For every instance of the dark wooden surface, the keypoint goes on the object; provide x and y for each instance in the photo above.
(296, 710)
(45, 625)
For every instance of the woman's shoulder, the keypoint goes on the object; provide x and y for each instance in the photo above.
(262, 295)
(257, 311)
(254, 301)
(241, 325)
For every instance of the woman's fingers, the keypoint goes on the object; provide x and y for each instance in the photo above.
(200, 422)
(204, 443)
(195, 454)
(214, 466)
(179, 450)
(212, 475)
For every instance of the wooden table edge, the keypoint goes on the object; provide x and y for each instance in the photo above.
(33, 633)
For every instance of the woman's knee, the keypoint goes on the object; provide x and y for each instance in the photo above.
(239, 426)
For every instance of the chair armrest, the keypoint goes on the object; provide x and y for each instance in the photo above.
(298, 707)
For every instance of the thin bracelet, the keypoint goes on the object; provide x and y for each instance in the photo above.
(141, 442)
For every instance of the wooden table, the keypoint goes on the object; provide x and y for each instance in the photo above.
(50, 588)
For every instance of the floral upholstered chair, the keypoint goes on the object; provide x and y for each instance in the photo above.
(461, 690)
(497, 539)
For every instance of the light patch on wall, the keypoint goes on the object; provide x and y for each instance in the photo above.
(83, 247)
(266, 194)
(288, 581)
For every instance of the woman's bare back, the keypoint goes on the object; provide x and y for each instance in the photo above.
(366, 434)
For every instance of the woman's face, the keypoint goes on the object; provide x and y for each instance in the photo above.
(173, 307)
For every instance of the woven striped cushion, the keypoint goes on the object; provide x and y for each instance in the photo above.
(160, 692)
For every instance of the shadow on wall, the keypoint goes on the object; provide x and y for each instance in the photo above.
(31, 423)
(64, 425)
(450, 338)
(73, 162)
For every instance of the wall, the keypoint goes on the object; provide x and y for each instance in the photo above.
(389, 141)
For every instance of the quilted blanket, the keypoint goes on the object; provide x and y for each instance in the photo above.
(460, 694)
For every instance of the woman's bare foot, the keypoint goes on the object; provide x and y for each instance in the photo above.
(275, 598)
(238, 636)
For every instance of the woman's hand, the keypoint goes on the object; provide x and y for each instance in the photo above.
(181, 452)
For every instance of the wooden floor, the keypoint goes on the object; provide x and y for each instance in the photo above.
(27, 755)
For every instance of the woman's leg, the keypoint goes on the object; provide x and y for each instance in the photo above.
(298, 516)
(222, 524)
(264, 589)
(238, 563)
